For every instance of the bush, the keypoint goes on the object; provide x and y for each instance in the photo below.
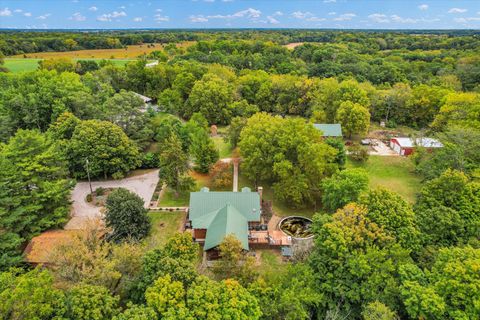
(150, 160)
(100, 191)
(358, 153)
(118, 175)
(89, 197)
(222, 175)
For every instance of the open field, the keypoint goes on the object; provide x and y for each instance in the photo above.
(393, 173)
(130, 52)
(293, 45)
(20, 64)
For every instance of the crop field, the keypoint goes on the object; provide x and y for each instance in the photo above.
(130, 52)
(19, 64)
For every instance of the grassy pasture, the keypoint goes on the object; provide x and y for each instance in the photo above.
(393, 173)
(16, 65)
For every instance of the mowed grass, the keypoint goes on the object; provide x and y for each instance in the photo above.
(130, 52)
(280, 208)
(22, 65)
(170, 199)
(393, 173)
(223, 148)
(164, 225)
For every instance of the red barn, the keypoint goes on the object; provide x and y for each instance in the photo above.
(406, 146)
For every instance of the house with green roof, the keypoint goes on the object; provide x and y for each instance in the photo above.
(329, 129)
(214, 215)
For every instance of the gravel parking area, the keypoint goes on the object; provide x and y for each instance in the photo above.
(381, 149)
(82, 211)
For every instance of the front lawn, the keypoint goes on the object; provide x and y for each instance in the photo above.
(394, 173)
(164, 225)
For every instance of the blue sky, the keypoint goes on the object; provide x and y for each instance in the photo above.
(359, 14)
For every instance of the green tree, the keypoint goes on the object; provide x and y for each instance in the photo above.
(288, 152)
(58, 64)
(448, 209)
(202, 149)
(212, 97)
(390, 211)
(355, 261)
(448, 290)
(30, 295)
(288, 293)
(233, 262)
(125, 110)
(343, 187)
(459, 109)
(355, 118)
(341, 158)
(174, 166)
(107, 148)
(34, 191)
(90, 302)
(136, 312)
(234, 130)
(126, 216)
(378, 311)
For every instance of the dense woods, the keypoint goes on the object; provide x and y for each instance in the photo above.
(375, 255)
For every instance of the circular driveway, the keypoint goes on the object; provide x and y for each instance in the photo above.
(81, 212)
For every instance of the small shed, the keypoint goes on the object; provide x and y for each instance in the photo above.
(329, 129)
(406, 146)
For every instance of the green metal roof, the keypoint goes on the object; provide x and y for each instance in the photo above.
(223, 222)
(205, 202)
(329, 130)
(224, 213)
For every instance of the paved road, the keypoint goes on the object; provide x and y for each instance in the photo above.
(144, 185)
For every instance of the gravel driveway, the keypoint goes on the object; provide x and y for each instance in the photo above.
(144, 185)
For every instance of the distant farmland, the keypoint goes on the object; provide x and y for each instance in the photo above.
(130, 52)
(19, 65)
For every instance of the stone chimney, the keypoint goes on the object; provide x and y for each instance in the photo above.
(260, 193)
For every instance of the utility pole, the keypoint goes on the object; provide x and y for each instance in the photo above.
(88, 175)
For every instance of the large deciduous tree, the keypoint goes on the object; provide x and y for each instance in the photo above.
(288, 152)
(90, 302)
(212, 97)
(34, 191)
(107, 148)
(174, 166)
(355, 118)
(343, 187)
(126, 216)
(355, 261)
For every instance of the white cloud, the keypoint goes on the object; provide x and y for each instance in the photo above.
(27, 14)
(249, 13)
(44, 16)
(329, 1)
(301, 15)
(121, 7)
(5, 12)
(18, 10)
(110, 16)
(423, 7)
(197, 19)
(272, 20)
(77, 16)
(457, 10)
(379, 18)
(159, 10)
(137, 19)
(332, 13)
(161, 18)
(227, 0)
(466, 20)
(93, 8)
(396, 18)
(345, 17)
(209, 0)
(278, 13)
